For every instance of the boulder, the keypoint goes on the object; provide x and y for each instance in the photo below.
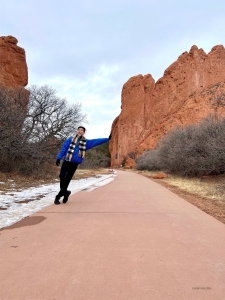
(160, 175)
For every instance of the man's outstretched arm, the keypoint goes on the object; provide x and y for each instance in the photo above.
(96, 142)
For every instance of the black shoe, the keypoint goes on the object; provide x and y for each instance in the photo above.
(57, 200)
(65, 199)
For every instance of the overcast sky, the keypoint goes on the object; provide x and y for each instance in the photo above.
(87, 50)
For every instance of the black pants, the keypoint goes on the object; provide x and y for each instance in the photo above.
(66, 173)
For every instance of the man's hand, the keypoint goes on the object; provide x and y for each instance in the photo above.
(57, 162)
(110, 136)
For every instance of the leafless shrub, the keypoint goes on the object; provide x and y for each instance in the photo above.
(95, 159)
(132, 154)
(194, 150)
(13, 105)
(148, 161)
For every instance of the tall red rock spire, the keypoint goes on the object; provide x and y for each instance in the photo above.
(13, 66)
(150, 109)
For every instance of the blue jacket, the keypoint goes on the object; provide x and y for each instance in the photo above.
(76, 158)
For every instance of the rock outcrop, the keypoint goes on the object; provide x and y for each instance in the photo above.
(182, 96)
(13, 67)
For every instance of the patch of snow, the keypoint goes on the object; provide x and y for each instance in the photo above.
(99, 184)
(40, 197)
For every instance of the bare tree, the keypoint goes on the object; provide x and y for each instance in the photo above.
(50, 117)
(31, 129)
(13, 106)
(49, 121)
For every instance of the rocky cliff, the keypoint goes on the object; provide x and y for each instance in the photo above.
(13, 67)
(182, 96)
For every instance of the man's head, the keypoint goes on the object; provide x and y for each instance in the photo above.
(81, 130)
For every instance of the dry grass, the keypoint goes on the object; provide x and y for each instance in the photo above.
(211, 187)
(207, 192)
(80, 174)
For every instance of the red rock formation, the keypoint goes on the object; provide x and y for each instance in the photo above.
(181, 96)
(160, 175)
(13, 67)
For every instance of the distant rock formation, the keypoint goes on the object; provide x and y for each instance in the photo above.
(13, 66)
(182, 96)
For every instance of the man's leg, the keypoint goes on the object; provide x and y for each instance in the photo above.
(62, 176)
(66, 174)
(70, 172)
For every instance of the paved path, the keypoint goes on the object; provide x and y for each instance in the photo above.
(129, 240)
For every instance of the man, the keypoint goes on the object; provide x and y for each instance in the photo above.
(73, 151)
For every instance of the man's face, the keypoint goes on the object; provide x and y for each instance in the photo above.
(80, 131)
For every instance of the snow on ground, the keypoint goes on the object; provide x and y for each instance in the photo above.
(15, 208)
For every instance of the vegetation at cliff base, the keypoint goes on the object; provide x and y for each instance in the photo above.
(99, 157)
(193, 150)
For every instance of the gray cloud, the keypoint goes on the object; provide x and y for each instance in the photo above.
(88, 50)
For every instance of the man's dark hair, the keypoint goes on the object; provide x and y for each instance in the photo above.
(82, 127)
